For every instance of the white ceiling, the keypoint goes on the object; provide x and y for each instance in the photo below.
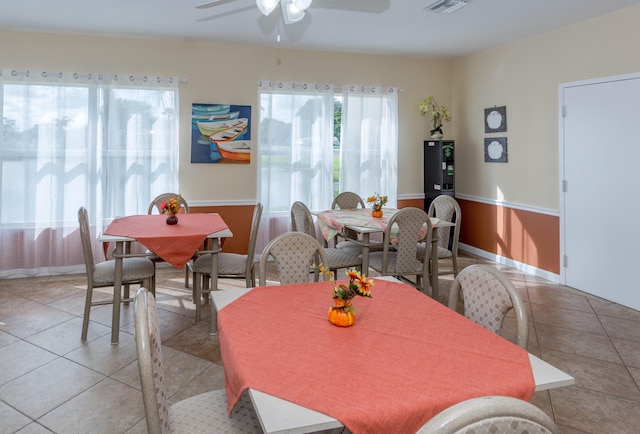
(400, 27)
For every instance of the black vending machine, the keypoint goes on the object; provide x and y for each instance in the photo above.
(439, 169)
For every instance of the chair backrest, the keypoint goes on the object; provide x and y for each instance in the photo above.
(294, 253)
(409, 223)
(154, 206)
(447, 208)
(253, 237)
(488, 296)
(85, 237)
(347, 200)
(150, 367)
(489, 414)
(301, 219)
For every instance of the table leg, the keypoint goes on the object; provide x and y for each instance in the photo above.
(117, 287)
(434, 266)
(213, 329)
(365, 253)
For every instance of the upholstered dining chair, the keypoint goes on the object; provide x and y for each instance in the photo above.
(136, 269)
(488, 295)
(302, 221)
(446, 208)
(229, 264)
(294, 253)
(398, 257)
(491, 414)
(206, 412)
(345, 200)
(154, 208)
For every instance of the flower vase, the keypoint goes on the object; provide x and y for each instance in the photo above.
(436, 136)
(172, 219)
(341, 314)
(376, 213)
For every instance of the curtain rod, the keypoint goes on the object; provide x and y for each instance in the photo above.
(89, 76)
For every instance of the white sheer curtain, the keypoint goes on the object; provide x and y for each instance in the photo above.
(369, 142)
(68, 140)
(294, 152)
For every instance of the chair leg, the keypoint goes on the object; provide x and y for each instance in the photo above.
(196, 295)
(186, 276)
(87, 311)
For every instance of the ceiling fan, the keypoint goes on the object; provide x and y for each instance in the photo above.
(293, 11)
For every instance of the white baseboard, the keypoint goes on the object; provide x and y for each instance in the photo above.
(543, 274)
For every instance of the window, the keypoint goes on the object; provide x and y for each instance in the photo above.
(72, 142)
(299, 158)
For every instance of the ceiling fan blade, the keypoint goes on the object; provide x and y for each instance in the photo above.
(213, 3)
(365, 6)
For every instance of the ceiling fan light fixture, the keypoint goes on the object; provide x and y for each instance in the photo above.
(302, 4)
(446, 6)
(266, 6)
(290, 12)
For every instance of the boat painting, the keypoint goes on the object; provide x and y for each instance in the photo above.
(237, 150)
(207, 128)
(225, 129)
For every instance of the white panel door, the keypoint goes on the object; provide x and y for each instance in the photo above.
(600, 209)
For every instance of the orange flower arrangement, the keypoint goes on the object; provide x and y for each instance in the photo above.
(172, 207)
(342, 313)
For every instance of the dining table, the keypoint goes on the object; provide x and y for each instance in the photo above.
(406, 358)
(357, 225)
(175, 244)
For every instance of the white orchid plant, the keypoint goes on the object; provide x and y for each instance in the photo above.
(439, 113)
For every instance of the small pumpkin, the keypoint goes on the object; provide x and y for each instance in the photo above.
(376, 213)
(341, 316)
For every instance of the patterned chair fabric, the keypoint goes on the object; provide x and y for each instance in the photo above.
(488, 296)
(491, 414)
(294, 253)
(446, 208)
(302, 221)
(403, 260)
(206, 412)
(135, 270)
(347, 200)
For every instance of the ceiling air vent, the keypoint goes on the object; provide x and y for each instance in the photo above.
(446, 6)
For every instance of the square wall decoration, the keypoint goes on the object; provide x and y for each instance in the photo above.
(495, 150)
(495, 119)
(221, 133)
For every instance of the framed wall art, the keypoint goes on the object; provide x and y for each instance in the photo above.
(495, 119)
(495, 150)
(221, 133)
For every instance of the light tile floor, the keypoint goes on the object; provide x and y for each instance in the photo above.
(52, 382)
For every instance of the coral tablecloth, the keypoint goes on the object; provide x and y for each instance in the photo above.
(405, 359)
(175, 244)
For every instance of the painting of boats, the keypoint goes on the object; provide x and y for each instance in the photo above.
(225, 128)
(207, 128)
(236, 151)
(210, 109)
(216, 117)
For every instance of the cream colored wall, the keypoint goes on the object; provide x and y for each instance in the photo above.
(218, 73)
(524, 76)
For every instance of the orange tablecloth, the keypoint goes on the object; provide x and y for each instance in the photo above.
(406, 358)
(176, 244)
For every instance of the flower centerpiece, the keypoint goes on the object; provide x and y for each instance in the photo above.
(439, 114)
(377, 202)
(171, 208)
(342, 313)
